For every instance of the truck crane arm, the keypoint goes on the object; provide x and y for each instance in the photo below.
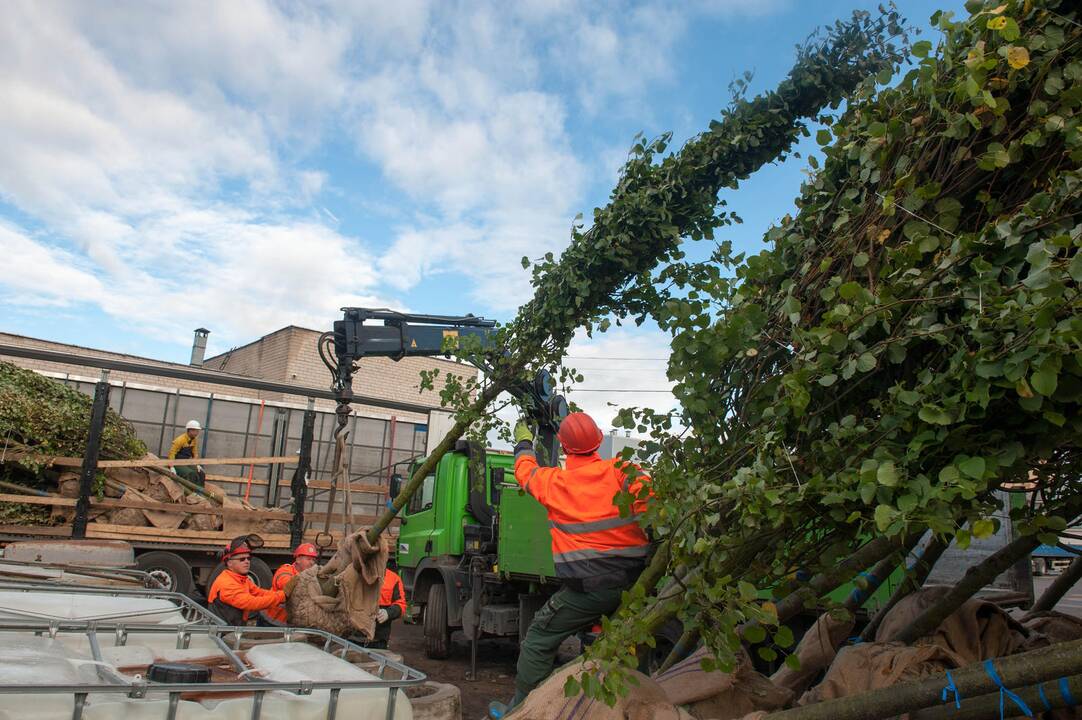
(369, 332)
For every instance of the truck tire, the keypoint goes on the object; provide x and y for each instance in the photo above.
(258, 571)
(169, 568)
(437, 632)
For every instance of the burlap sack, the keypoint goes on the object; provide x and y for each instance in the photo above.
(645, 701)
(164, 490)
(135, 478)
(357, 571)
(816, 651)
(717, 695)
(68, 485)
(202, 521)
(1047, 628)
(129, 516)
(978, 630)
(871, 666)
(274, 527)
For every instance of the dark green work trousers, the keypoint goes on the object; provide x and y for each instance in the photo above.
(566, 613)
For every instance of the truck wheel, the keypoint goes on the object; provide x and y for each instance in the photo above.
(258, 571)
(665, 639)
(168, 568)
(437, 633)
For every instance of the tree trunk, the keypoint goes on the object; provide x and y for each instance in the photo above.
(1036, 666)
(914, 580)
(975, 578)
(986, 707)
(1060, 587)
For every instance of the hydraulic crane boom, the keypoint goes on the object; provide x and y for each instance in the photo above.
(398, 335)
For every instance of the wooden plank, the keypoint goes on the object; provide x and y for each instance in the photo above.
(166, 462)
(162, 507)
(235, 480)
(326, 485)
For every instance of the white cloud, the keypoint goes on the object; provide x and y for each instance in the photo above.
(627, 363)
(166, 150)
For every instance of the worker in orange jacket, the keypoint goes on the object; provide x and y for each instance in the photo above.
(392, 605)
(304, 557)
(597, 553)
(233, 596)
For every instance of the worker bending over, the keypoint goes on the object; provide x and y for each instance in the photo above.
(304, 557)
(392, 605)
(185, 447)
(597, 553)
(233, 596)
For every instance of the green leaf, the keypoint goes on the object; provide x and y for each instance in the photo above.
(754, 633)
(935, 415)
(1044, 381)
(768, 654)
(922, 48)
(792, 662)
(886, 474)
(884, 516)
(908, 502)
(866, 362)
(823, 137)
(784, 637)
(973, 467)
(525, 262)
(747, 591)
(828, 380)
(909, 397)
(850, 291)
(867, 492)
(984, 529)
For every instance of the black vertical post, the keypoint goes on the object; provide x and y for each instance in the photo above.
(90, 458)
(299, 487)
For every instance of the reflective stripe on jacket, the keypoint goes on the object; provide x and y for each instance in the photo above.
(281, 576)
(233, 596)
(590, 541)
(392, 596)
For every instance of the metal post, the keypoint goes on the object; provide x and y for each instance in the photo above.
(299, 485)
(90, 458)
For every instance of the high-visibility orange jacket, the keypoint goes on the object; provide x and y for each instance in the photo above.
(592, 546)
(392, 596)
(281, 576)
(233, 596)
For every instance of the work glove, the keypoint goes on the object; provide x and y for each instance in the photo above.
(382, 616)
(289, 587)
(523, 432)
(199, 468)
(172, 470)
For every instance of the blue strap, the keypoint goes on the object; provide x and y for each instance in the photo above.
(855, 640)
(1044, 698)
(1005, 693)
(858, 595)
(951, 688)
(1065, 691)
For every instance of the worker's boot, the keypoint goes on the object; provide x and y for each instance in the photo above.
(498, 710)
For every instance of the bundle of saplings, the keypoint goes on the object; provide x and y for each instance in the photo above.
(903, 354)
(41, 417)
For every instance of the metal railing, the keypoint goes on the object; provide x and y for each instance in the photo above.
(230, 641)
(192, 612)
(72, 575)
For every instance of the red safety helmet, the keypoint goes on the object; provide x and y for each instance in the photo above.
(238, 546)
(306, 550)
(579, 434)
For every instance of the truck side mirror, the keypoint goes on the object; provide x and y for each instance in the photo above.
(497, 481)
(396, 486)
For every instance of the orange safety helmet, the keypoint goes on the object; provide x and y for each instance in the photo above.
(579, 434)
(306, 550)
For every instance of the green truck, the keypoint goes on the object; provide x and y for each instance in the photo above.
(474, 552)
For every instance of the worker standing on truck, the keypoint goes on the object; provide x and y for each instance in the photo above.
(597, 553)
(304, 557)
(392, 605)
(233, 595)
(185, 447)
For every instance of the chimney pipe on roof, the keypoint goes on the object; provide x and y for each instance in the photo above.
(199, 346)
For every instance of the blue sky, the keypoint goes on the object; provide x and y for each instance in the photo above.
(247, 165)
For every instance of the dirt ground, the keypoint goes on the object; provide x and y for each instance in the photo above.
(495, 667)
